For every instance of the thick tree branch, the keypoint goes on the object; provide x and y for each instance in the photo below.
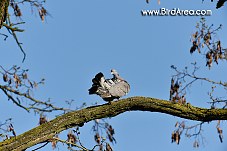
(48, 130)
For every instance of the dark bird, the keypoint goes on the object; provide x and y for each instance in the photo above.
(3, 11)
(109, 89)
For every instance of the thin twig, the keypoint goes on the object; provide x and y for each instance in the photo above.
(14, 101)
(69, 143)
(40, 146)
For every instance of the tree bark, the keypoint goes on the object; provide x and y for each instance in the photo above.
(3, 11)
(48, 130)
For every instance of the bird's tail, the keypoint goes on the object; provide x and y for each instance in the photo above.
(95, 83)
(93, 89)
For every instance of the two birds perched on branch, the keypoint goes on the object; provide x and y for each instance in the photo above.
(109, 89)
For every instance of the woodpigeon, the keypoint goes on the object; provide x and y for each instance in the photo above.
(109, 89)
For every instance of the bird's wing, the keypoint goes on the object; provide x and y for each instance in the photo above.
(120, 89)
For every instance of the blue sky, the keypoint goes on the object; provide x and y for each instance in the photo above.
(82, 38)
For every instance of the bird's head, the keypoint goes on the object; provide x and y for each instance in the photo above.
(114, 72)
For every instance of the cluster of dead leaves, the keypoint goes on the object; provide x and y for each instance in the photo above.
(7, 133)
(100, 140)
(214, 55)
(42, 13)
(110, 132)
(71, 137)
(176, 134)
(17, 77)
(41, 10)
(203, 38)
(220, 131)
(11, 129)
(97, 138)
(14, 78)
(42, 119)
(102, 145)
(176, 137)
(174, 93)
(16, 9)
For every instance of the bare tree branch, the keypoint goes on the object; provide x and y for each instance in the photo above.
(49, 106)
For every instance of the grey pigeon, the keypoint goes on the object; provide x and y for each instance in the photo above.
(109, 89)
(121, 87)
